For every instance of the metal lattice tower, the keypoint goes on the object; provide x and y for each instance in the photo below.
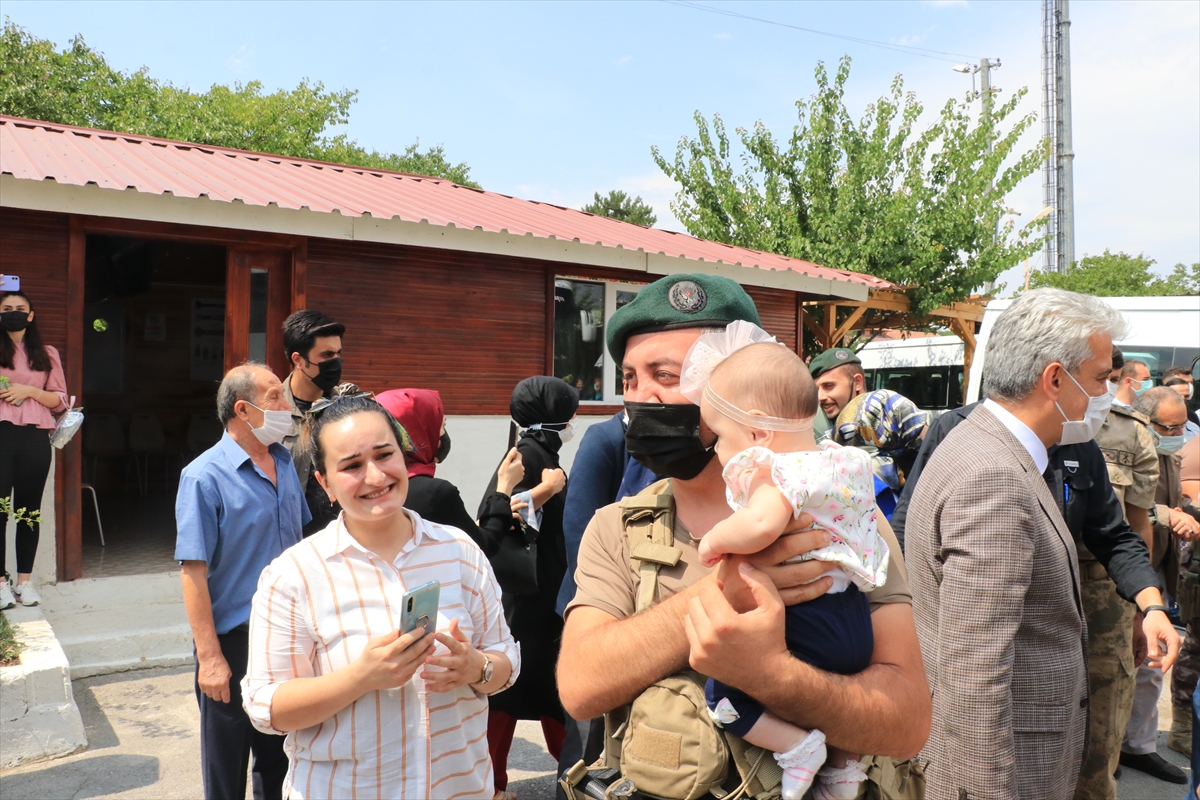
(1057, 172)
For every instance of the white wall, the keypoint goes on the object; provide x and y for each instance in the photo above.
(45, 569)
(477, 445)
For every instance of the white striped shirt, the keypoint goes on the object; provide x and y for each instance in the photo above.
(316, 607)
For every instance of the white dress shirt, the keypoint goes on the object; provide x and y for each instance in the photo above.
(1025, 435)
(316, 607)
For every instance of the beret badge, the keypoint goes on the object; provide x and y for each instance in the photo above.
(687, 297)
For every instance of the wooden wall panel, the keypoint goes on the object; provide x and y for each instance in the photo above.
(777, 309)
(469, 325)
(33, 244)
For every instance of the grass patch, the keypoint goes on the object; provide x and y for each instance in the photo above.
(10, 648)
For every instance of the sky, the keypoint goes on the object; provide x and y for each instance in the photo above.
(556, 101)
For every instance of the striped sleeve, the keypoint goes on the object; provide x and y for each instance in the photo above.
(281, 642)
(487, 614)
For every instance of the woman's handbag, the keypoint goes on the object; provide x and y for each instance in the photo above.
(68, 424)
(515, 561)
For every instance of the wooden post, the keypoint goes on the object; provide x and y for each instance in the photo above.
(800, 325)
(549, 329)
(237, 307)
(68, 520)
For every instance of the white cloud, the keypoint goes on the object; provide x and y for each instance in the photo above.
(722, 36)
(241, 58)
(624, 60)
(906, 41)
(943, 3)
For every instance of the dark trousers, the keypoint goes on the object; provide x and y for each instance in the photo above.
(24, 465)
(227, 738)
(584, 741)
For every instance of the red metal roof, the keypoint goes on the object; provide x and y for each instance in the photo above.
(37, 151)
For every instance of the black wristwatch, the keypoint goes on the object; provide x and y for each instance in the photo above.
(1148, 609)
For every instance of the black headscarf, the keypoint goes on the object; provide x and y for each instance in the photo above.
(545, 400)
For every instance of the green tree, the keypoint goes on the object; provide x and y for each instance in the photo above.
(918, 209)
(1120, 275)
(78, 87)
(618, 205)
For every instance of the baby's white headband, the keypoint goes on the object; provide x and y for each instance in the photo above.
(710, 350)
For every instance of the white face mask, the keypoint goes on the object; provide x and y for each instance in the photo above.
(275, 427)
(567, 433)
(1112, 388)
(1084, 430)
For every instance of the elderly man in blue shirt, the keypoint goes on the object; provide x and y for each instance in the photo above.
(239, 507)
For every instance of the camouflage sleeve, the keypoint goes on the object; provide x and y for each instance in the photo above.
(1145, 471)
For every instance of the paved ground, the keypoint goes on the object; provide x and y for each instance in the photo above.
(142, 726)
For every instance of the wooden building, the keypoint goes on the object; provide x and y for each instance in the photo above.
(155, 265)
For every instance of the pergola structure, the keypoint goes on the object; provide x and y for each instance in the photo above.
(891, 309)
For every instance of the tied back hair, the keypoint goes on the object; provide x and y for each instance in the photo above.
(1040, 328)
(769, 378)
(340, 409)
(35, 351)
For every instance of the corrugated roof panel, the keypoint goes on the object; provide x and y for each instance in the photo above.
(31, 150)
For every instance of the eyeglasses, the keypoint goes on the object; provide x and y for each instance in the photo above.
(326, 402)
(1174, 430)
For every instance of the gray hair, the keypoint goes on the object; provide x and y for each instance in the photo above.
(238, 384)
(1038, 329)
(1152, 399)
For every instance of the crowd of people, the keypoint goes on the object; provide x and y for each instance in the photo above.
(763, 577)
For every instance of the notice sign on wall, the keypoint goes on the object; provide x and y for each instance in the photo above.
(208, 339)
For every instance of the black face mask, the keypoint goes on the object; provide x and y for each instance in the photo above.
(329, 373)
(14, 320)
(443, 448)
(665, 439)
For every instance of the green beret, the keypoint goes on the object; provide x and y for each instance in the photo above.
(832, 359)
(680, 301)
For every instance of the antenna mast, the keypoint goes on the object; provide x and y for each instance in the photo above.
(1057, 172)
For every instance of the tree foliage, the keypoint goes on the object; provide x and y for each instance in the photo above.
(618, 205)
(1120, 275)
(920, 209)
(78, 87)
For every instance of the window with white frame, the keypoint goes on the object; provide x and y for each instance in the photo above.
(582, 308)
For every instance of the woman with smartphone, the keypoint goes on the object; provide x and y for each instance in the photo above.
(32, 390)
(368, 709)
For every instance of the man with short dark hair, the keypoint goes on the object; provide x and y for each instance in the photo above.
(312, 342)
(239, 507)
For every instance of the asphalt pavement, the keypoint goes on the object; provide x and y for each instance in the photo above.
(142, 734)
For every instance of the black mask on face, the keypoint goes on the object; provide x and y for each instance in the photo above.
(14, 320)
(329, 373)
(665, 439)
(443, 448)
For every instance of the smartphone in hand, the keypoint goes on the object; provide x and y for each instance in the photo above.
(419, 608)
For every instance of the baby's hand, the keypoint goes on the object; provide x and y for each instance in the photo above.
(708, 558)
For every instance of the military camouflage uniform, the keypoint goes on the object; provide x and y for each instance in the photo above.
(1129, 452)
(1187, 592)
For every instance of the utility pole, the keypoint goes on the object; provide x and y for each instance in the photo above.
(985, 99)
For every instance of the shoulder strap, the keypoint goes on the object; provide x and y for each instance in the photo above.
(648, 519)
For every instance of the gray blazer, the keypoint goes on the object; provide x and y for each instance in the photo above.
(995, 584)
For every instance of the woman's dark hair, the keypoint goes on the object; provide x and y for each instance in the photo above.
(339, 409)
(35, 351)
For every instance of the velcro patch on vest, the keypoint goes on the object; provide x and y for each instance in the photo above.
(1123, 458)
(652, 746)
(657, 553)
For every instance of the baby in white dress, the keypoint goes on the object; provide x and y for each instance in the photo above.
(760, 399)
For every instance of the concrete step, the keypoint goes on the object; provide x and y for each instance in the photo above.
(107, 625)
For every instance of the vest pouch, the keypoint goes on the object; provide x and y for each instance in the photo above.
(1189, 593)
(671, 749)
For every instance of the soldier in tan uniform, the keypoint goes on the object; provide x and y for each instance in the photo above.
(1128, 450)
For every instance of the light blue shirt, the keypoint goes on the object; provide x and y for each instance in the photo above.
(229, 515)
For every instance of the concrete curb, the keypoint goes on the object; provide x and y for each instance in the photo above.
(37, 705)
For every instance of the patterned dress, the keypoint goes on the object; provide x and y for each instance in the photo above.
(835, 485)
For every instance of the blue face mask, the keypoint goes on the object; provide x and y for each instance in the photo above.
(1167, 445)
(1144, 386)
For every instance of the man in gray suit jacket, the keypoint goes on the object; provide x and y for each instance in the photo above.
(993, 566)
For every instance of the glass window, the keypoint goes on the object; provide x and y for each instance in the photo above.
(581, 309)
(258, 315)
